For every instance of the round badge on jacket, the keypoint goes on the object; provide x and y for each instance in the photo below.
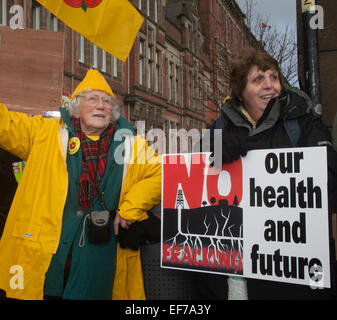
(74, 145)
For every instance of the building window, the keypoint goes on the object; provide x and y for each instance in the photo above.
(88, 52)
(149, 71)
(190, 89)
(227, 30)
(5, 6)
(54, 23)
(99, 53)
(3, 11)
(230, 35)
(36, 15)
(80, 49)
(95, 57)
(157, 82)
(173, 144)
(141, 62)
(178, 89)
(156, 73)
(114, 67)
(170, 86)
(174, 85)
(100, 58)
(202, 94)
(150, 36)
(148, 8)
(40, 17)
(150, 58)
(198, 93)
(108, 65)
(190, 38)
(195, 92)
(104, 58)
(155, 3)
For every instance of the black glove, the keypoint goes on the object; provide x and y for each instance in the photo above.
(234, 146)
(140, 233)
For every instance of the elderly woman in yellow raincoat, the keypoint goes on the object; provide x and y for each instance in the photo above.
(87, 177)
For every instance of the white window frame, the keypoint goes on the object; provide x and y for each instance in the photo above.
(177, 85)
(156, 72)
(148, 8)
(148, 75)
(4, 13)
(170, 81)
(36, 17)
(155, 10)
(94, 57)
(81, 49)
(141, 62)
(141, 71)
(149, 67)
(55, 23)
(115, 67)
(104, 57)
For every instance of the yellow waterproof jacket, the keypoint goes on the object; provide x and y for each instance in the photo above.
(33, 226)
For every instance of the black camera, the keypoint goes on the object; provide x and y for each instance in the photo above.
(99, 227)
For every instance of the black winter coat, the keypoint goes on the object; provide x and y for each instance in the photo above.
(269, 133)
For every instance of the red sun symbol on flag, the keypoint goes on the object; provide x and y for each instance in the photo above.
(84, 4)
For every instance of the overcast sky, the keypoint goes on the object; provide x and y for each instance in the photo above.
(281, 12)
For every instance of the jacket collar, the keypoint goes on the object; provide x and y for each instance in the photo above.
(232, 110)
(288, 105)
(294, 104)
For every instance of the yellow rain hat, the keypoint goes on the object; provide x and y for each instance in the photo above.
(93, 80)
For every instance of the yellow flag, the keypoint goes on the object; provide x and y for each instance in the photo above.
(112, 25)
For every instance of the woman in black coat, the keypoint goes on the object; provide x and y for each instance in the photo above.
(263, 114)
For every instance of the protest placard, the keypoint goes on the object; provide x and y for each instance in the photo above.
(264, 216)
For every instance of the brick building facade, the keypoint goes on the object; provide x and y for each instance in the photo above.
(177, 72)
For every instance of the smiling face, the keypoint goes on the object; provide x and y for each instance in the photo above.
(260, 88)
(94, 112)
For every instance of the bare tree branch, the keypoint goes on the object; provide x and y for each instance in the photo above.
(279, 44)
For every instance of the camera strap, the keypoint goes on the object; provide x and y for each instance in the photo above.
(81, 243)
(101, 200)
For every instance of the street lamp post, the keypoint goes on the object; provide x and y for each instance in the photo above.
(311, 56)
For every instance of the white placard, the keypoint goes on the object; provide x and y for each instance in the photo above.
(264, 216)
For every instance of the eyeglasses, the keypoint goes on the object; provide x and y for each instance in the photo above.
(93, 100)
